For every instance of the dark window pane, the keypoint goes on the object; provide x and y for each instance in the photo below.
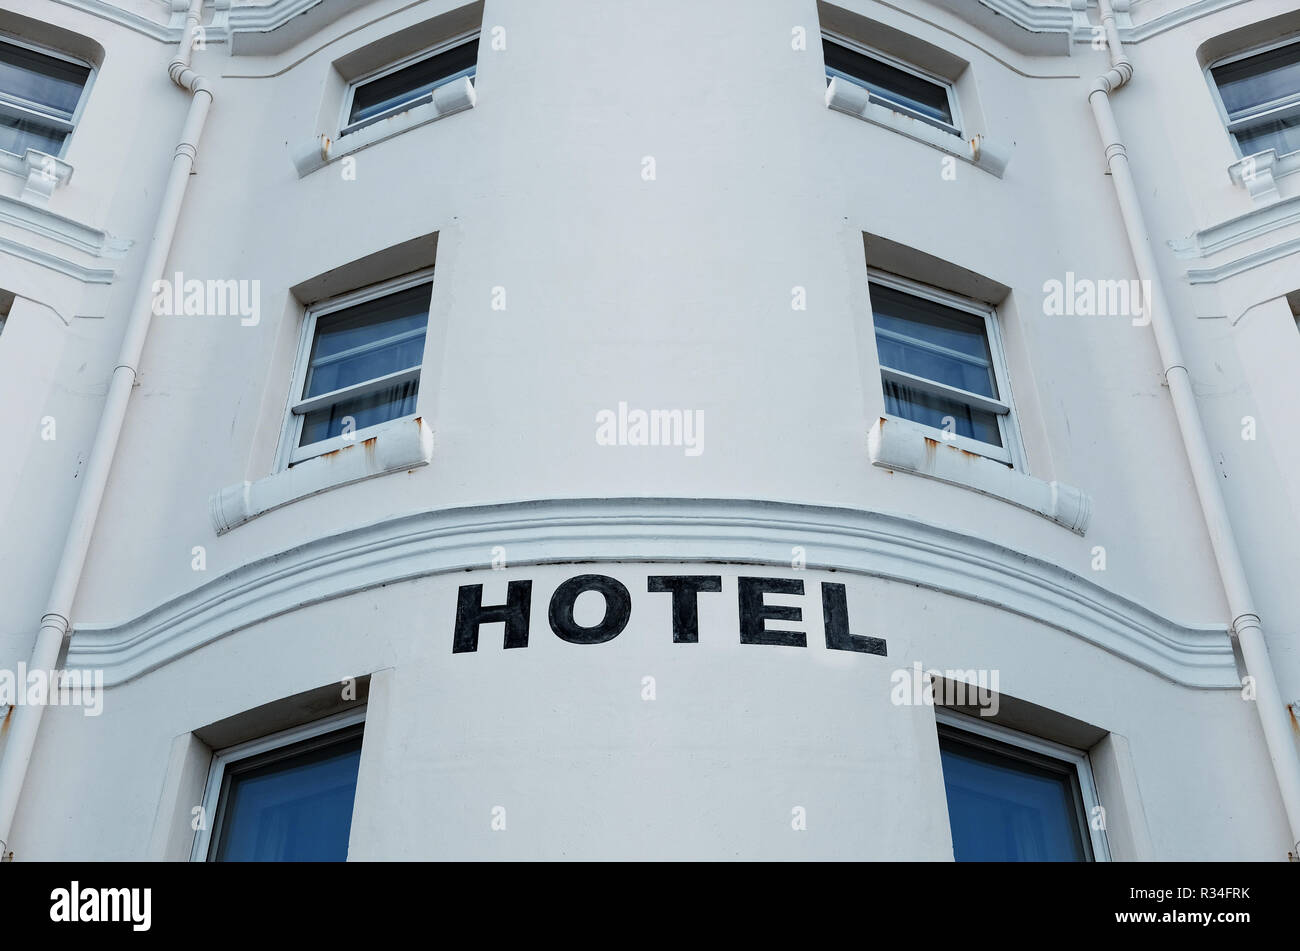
(411, 84)
(896, 86)
(1265, 77)
(1281, 133)
(18, 135)
(53, 85)
(370, 410)
(928, 410)
(927, 339)
(1003, 808)
(368, 341)
(294, 808)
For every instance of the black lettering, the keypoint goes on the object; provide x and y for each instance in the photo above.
(470, 613)
(835, 613)
(753, 612)
(686, 613)
(618, 608)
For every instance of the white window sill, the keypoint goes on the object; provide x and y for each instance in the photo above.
(1258, 174)
(853, 100)
(448, 99)
(401, 444)
(42, 174)
(895, 445)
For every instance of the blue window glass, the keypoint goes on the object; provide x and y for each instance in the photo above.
(365, 342)
(890, 86)
(39, 95)
(411, 85)
(290, 805)
(1261, 95)
(1010, 805)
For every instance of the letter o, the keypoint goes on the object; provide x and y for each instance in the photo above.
(618, 608)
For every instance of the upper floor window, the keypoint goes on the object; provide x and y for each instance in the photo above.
(408, 83)
(41, 94)
(942, 366)
(359, 366)
(1016, 798)
(1259, 93)
(891, 83)
(284, 798)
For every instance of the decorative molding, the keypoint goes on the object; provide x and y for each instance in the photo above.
(636, 530)
(448, 99)
(853, 100)
(1167, 21)
(896, 446)
(1258, 174)
(1037, 27)
(405, 444)
(56, 227)
(87, 275)
(1235, 231)
(42, 173)
(1213, 275)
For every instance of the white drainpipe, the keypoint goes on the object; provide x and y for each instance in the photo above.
(1273, 714)
(56, 621)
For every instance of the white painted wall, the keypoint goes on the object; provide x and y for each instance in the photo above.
(672, 293)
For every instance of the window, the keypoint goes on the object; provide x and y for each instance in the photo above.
(409, 83)
(1016, 798)
(891, 83)
(284, 798)
(41, 94)
(359, 366)
(1259, 97)
(6, 302)
(942, 367)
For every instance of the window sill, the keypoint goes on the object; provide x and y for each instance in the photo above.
(855, 101)
(401, 444)
(42, 174)
(1258, 174)
(895, 445)
(447, 100)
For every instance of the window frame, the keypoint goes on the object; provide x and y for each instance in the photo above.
(445, 46)
(871, 52)
(289, 452)
(221, 759)
(72, 123)
(1288, 104)
(975, 730)
(1012, 451)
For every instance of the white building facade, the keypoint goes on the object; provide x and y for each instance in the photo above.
(535, 430)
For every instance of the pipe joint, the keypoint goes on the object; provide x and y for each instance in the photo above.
(1244, 622)
(56, 622)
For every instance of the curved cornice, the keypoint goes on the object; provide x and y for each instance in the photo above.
(1034, 27)
(657, 530)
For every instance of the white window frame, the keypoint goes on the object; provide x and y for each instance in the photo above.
(953, 105)
(72, 123)
(1077, 759)
(443, 47)
(290, 452)
(1288, 104)
(1012, 451)
(234, 754)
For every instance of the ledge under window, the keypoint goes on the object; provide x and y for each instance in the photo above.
(849, 98)
(448, 99)
(401, 444)
(895, 445)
